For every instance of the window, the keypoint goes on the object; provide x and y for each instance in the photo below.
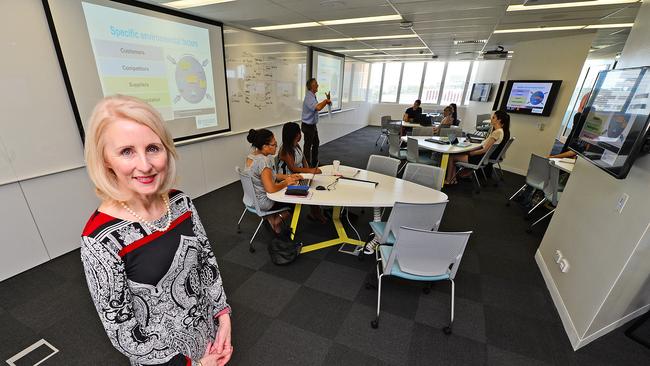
(411, 80)
(347, 75)
(360, 81)
(432, 82)
(472, 78)
(392, 73)
(455, 82)
(376, 71)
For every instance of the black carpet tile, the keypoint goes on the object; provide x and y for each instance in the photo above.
(317, 311)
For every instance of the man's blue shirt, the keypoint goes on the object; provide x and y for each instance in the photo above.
(309, 112)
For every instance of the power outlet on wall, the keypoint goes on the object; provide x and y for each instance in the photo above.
(541, 126)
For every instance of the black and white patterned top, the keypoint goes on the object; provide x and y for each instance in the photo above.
(157, 293)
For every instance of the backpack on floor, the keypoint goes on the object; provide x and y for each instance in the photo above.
(282, 249)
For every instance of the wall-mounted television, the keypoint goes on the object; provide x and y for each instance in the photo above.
(534, 97)
(480, 92)
(615, 120)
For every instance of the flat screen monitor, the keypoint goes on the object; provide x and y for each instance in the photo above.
(480, 92)
(615, 120)
(534, 97)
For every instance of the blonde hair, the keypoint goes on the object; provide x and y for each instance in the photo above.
(107, 111)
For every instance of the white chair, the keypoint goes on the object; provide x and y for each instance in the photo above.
(537, 176)
(421, 255)
(499, 158)
(383, 135)
(474, 167)
(424, 216)
(252, 205)
(552, 194)
(413, 152)
(425, 175)
(383, 165)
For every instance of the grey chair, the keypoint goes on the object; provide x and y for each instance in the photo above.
(421, 255)
(252, 205)
(413, 152)
(499, 158)
(395, 150)
(425, 216)
(385, 130)
(425, 175)
(460, 165)
(383, 165)
(537, 176)
(552, 194)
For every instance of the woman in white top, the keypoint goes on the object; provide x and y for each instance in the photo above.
(500, 122)
(292, 160)
(261, 167)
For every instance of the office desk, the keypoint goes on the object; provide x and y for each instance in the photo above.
(444, 149)
(353, 194)
(562, 165)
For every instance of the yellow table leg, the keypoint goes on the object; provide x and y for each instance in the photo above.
(443, 166)
(340, 230)
(294, 219)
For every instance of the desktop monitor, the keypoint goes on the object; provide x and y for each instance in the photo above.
(615, 120)
(480, 92)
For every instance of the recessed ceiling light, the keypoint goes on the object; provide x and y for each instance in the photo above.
(254, 44)
(574, 4)
(319, 23)
(540, 29)
(358, 38)
(182, 4)
(382, 49)
(477, 41)
(407, 55)
(602, 26)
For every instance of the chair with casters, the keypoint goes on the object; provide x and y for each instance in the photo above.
(385, 130)
(498, 159)
(252, 205)
(461, 165)
(425, 175)
(552, 194)
(537, 176)
(421, 255)
(383, 165)
(413, 152)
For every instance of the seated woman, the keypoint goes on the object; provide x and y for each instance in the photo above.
(261, 167)
(292, 160)
(500, 122)
(447, 118)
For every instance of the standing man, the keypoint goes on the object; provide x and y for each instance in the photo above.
(310, 109)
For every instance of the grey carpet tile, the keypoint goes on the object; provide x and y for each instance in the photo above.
(14, 336)
(469, 319)
(468, 285)
(398, 297)
(284, 344)
(389, 342)
(67, 266)
(265, 293)
(239, 254)
(298, 271)
(316, 311)
(499, 357)
(248, 327)
(431, 346)
(233, 275)
(28, 285)
(512, 296)
(337, 280)
(341, 355)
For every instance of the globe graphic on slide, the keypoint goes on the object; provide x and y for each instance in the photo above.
(190, 79)
(536, 98)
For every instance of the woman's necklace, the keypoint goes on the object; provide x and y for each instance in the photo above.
(151, 224)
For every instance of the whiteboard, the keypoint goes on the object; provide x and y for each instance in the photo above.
(266, 79)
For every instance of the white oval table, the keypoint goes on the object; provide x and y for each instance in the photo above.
(348, 193)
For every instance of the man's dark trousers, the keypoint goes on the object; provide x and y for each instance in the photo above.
(312, 142)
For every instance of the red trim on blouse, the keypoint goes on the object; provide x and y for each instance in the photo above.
(188, 361)
(95, 221)
(147, 239)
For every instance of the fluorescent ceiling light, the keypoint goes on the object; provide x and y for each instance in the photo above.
(408, 55)
(182, 4)
(478, 41)
(574, 4)
(382, 49)
(381, 18)
(254, 44)
(398, 36)
(286, 26)
(540, 29)
(319, 23)
(279, 53)
(619, 25)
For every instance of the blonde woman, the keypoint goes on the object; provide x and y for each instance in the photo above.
(150, 269)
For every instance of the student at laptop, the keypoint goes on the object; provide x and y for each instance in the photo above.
(447, 119)
(412, 112)
(261, 167)
(292, 160)
(500, 122)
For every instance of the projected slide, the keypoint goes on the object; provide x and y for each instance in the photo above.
(531, 96)
(329, 74)
(165, 63)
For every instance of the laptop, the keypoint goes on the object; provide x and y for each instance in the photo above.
(300, 189)
(423, 119)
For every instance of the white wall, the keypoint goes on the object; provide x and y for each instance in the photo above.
(558, 58)
(609, 278)
(42, 216)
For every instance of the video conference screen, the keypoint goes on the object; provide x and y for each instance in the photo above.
(480, 92)
(174, 63)
(530, 97)
(328, 71)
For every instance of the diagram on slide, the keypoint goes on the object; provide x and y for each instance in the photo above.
(190, 79)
